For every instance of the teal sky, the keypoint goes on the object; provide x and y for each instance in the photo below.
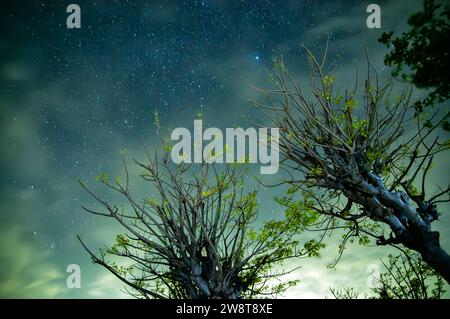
(71, 100)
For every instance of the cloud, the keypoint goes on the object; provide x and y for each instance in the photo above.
(27, 271)
(17, 72)
(84, 101)
(106, 285)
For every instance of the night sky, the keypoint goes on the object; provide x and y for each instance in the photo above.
(72, 99)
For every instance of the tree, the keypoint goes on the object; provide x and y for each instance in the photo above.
(406, 276)
(424, 50)
(359, 159)
(195, 237)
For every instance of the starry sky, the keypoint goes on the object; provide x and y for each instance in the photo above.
(72, 100)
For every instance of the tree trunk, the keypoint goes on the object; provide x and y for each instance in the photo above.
(433, 254)
(394, 209)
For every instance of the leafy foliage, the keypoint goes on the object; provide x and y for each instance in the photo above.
(195, 236)
(359, 160)
(408, 277)
(424, 51)
(405, 276)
